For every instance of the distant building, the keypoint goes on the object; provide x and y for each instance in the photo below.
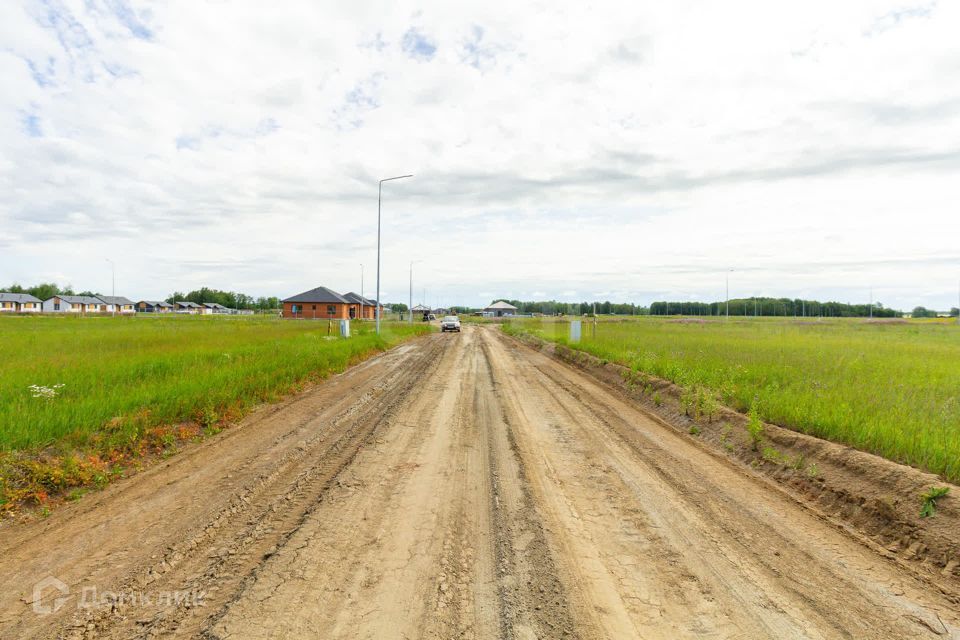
(420, 310)
(215, 308)
(320, 303)
(500, 309)
(154, 306)
(185, 306)
(118, 304)
(74, 304)
(19, 303)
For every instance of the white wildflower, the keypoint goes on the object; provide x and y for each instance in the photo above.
(41, 391)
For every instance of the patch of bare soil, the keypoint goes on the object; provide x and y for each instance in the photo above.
(459, 486)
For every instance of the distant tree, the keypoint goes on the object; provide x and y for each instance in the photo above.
(45, 291)
(954, 312)
(397, 307)
(923, 312)
(15, 288)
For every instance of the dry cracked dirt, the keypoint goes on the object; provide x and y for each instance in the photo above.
(458, 486)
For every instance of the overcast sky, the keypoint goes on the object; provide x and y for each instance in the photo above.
(598, 150)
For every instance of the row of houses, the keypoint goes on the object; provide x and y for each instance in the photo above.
(26, 303)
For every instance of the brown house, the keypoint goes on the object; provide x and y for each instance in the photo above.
(360, 308)
(320, 303)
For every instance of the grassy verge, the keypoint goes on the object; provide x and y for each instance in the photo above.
(81, 399)
(886, 388)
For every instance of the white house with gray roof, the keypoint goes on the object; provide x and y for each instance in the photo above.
(74, 304)
(500, 309)
(118, 304)
(19, 303)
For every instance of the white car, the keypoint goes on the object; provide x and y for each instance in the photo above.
(450, 323)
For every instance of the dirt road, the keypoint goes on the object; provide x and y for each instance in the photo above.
(460, 486)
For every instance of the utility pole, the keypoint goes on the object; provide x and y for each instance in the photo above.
(379, 201)
(871, 302)
(361, 291)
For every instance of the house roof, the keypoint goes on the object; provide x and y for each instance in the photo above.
(115, 300)
(156, 303)
(213, 305)
(420, 307)
(79, 299)
(17, 297)
(500, 304)
(188, 304)
(320, 294)
(358, 299)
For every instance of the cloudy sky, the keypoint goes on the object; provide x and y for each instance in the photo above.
(597, 150)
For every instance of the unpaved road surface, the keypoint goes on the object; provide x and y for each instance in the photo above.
(459, 486)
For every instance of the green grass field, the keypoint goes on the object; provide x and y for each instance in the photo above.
(73, 387)
(888, 388)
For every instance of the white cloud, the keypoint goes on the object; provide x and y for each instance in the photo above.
(637, 151)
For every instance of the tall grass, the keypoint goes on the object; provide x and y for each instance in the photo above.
(890, 389)
(161, 370)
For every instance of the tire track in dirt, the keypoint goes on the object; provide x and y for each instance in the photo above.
(446, 544)
(261, 521)
(670, 542)
(108, 543)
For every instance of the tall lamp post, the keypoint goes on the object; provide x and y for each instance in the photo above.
(379, 200)
(410, 301)
(361, 291)
(113, 284)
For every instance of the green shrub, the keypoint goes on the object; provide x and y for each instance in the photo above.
(929, 500)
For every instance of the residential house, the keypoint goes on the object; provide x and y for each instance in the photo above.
(185, 306)
(215, 307)
(320, 303)
(500, 309)
(154, 306)
(419, 311)
(118, 304)
(19, 303)
(74, 304)
(360, 308)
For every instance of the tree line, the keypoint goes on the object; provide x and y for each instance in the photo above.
(753, 306)
(229, 299)
(46, 290)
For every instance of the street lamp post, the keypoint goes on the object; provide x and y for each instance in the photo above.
(379, 200)
(361, 291)
(410, 300)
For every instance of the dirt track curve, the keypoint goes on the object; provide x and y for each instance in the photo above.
(459, 486)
